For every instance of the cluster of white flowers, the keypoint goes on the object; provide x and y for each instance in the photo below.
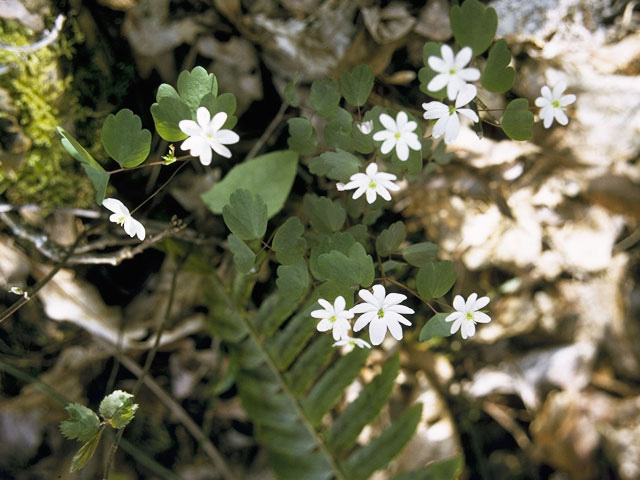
(379, 310)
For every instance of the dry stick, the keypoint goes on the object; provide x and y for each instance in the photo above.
(267, 133)
(148, 362)
(36, 288)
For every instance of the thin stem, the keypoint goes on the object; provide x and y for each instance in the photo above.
(268, 132)
(150, 164)
(412, 292)
(148, 361)
(158, 189)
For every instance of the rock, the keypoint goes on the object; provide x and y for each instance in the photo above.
(433, 21)
(390, 23)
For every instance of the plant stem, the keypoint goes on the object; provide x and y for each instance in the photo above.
(150, 164)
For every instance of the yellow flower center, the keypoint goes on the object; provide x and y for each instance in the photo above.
(333, 319)
(397, 135)
(380, 313)
(555, 104)
(469, 316)
(372, 184)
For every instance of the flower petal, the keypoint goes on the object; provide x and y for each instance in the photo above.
(559, 89)
(227, 137)
(217, 121)
(339, 303)
(412, 140)
(205, 155)
(379, 293)
(437, 64)
(470, 114)
(324, 325)
(463, 57)
(371, 195)
(561, 117)
(458, 303)
(447, 56)
(481, 303)
(220, 150)
(383, 135)
(394, 328)
(469, 74)
(567, 100)
(364, 320)
(440, 127)
(138, 229)
(189, 127)
(377, 330)
(372, 169)
(468, 329)
(456, 325)
(203, 116)
(115, 205)
(454, 316)
(402, 150)
(388, 122)
(397, 317)
(402, 119)
(466, 94)
(481, 317)
(546, 93)
(541, 102)
(364, 307)
(438, 82)
(471, 301)
(383, 192)
(434, 110)
(453, 127)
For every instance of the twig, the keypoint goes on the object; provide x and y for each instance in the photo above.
(268, 132)
(47, 39)
(78, 212)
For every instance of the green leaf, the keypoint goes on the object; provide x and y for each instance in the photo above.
(166, 90)
(167, 113)
(443, 470)
(434, 280)
(118, 408)
(224, 103)
(425, 75)
(420, 253)
(518, 120)
(345, 429)
(338, 267)
(290, 94)
(338, 165)
(82, 425)
(125, 140)
(270, 176)
(243, 256)
(311, 362)
(288, 242)
(324, 96)
(293, 280)
(341, 241)
(366, 270)
(473, 25)
(194, 85)
(497, 75)
(302, 137)
(440, 154)
(330, 290)
(435, 327)
(337, 131)
(382, 449)
(245, 215)
(98, 176)
(325, 216)
(356, 85)
(328, 390)
(390, 239)
(82, 457)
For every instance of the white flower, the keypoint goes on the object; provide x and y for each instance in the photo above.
(206, 135)
(381, 311)
(365, 127)
(553, 103)
(351, 342)
(398, 134)
(122, 217)
(372, 182)
(334, 317)
(466, 315)
(451, 71)
(447, 115)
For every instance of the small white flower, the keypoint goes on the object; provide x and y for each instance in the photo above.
(351, 342)
(206, 135)
(552, 104)
(466, 315)
(398, 134)
(447, 115)
(381, 312)
(451, 71)
(334, 317)
(122, 217)
(372, 182)
(365, 127)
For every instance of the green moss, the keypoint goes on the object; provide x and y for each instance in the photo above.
(47, 175)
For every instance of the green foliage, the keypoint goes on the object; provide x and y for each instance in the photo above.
(420, 254)
(270, 176)
(473, 25)
(302, 137)
(498, 76)
(98, 176)
(325, 215)
(194, 85)
(434, 280)
(82, 425)
(324, 96)
(436, 327)
(443, 470)
(245, 215)
(125, 140)
(338, 165)
(226, 103)
(118, 409)
(167, 113)
(337, 131)
(243, 256)
(357, 84)
(85, 453)
(390, 239)
(518, 120)
(288, 242)
(293, 280)
(290, 95)
(426, 74)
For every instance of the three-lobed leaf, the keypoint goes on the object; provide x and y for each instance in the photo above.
(338, 165)
(124, 139)
(302, 136)
(420, 254)
(82, 425)
(390, 239)
(86, 451)
(357, 84)
(473, 25)
(270, 176)
(435, 327)
(324, 96)
(293, 280)
(194, 85)
(497, 75)
(434, 280)
(245, 215)
(118, 408)
(518, 120)
(325, 215)
(288, 242)
(167, 114)
(337, 131)
(243, 256)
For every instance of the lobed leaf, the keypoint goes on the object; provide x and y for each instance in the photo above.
(518, 120)
(243, 256)
(357, 84)
(473, 25)
(435, 327)
(288, 242)
(302, 136)
(293, 280)
(194, 85)
(226, 103)
(434, 280)
(497, 75)
(82, 425)
(324, 96)
(118, 408)
(338, 165)
(390, 239)
(167, 114)
(245, 215)
(325, 215)
(420, 254)
(337, 131)
(124, 139)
